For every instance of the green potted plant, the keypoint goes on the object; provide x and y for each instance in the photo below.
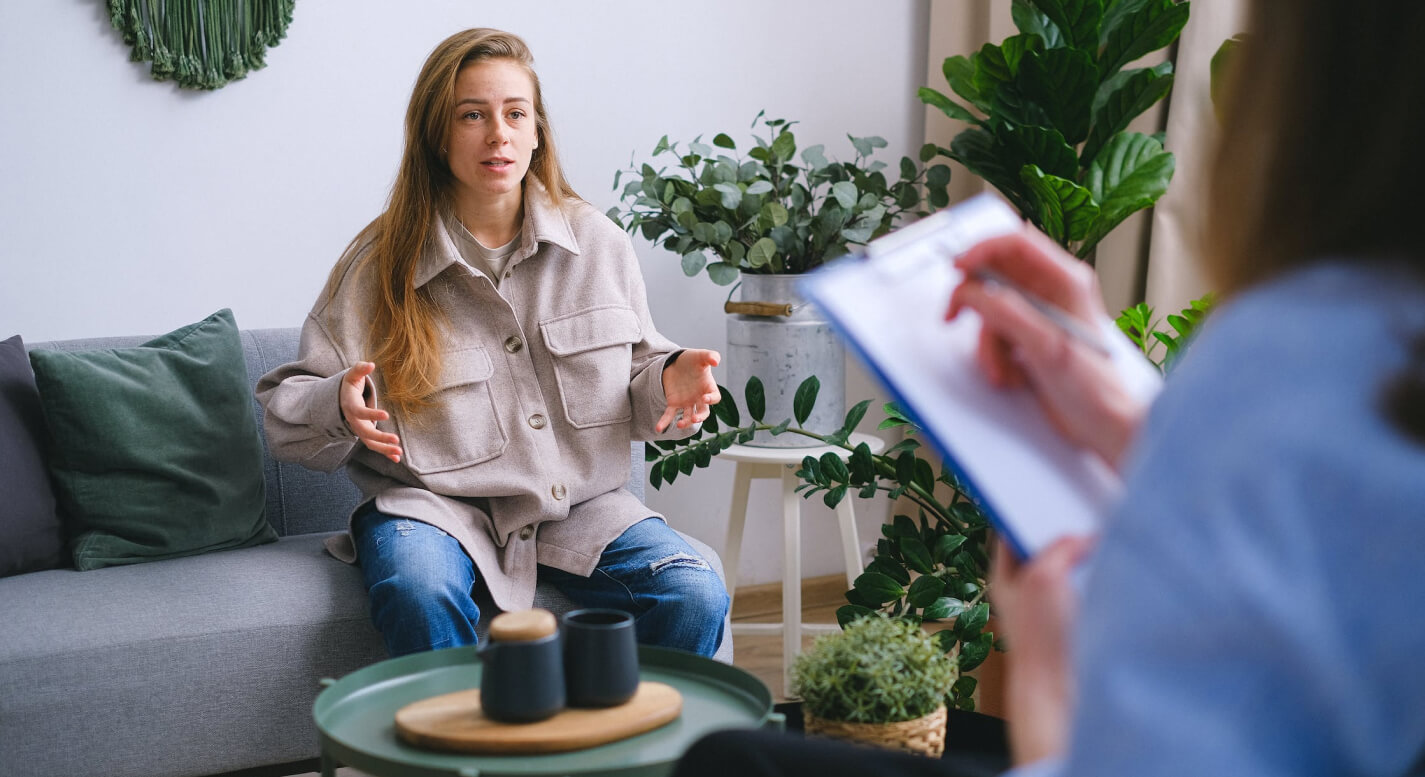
(928, 569)
(880, 681)
(1050, 109)
(763, 218)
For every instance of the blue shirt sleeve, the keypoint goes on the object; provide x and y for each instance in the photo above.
(1252, 608)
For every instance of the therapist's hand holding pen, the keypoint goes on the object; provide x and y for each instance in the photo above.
(1012, 282)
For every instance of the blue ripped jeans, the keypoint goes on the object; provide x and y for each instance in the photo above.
(420, 582)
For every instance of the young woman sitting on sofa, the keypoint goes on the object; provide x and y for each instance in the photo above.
(480, 359)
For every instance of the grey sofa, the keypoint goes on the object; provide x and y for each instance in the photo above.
(198, 665)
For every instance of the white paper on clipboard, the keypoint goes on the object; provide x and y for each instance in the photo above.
(889, 306)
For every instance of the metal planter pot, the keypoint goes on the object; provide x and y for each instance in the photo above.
(775, 335)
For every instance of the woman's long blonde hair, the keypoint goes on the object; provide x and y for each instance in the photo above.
(404, 336)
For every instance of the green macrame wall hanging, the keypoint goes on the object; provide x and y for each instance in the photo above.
(201, 44)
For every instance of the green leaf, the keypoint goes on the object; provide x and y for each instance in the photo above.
(851, 612)
(965, 686)
(655, 475)
(878, 588)
(944, 608)
(1220, 66)
(731, 195)
(1128, 175)
(924, 476)
(661, 147)
(784, 146)
(845, 194)
(960, 75)
(938, 175)
(1150, 27)
(756, 397)
(833, 497)
(924, 591)
(670, 469)
(854, 416)
(981, 153)
(762, 252)
(1078, 20)
(972, 654)
(946, 546)
(650, 453)
(834, 466)
(917, 556)
(694, 263)
(973, 620)
(928, 152)
(862, 464)
(946, 106)
(1062, 82)
(759, 187)
(814, 157)
(1121, 99)
(805, 399)
(889, 567)
(946, 640)
(722, 273)
(1043, 147)
(723, 141)
(1065, 210)
(1032, 21)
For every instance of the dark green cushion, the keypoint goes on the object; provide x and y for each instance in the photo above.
(154, 450)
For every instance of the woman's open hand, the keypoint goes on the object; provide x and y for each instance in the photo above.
(362, 419)
(689, 387)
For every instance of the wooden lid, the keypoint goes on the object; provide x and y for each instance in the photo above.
(522, 625)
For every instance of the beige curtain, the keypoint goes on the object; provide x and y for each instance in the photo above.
(1153, 251)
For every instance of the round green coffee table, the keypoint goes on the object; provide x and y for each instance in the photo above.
(356, 718)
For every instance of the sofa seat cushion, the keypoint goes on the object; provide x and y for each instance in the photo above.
(212, 659)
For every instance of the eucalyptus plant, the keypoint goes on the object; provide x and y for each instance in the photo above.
(1050, 108)
(767, 212)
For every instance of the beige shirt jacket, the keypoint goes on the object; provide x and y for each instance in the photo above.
(524, 458)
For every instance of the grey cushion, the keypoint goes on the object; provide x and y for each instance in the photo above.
(31, 535)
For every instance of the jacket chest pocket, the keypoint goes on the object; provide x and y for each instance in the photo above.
(593, 356)
(460, 428)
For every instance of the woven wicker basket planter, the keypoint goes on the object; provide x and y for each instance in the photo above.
(924, 735)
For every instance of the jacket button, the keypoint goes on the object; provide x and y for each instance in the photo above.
(514, 345)
(559, 491)
(536, 421)
(526, 532)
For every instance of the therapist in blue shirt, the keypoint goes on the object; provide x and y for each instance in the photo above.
(1253, 607)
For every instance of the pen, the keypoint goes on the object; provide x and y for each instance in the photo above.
(1066, 323)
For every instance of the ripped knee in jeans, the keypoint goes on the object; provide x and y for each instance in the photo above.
(678, 560)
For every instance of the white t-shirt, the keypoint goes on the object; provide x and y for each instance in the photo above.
(490, 261)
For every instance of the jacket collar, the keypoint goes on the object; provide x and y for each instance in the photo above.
(544, 222)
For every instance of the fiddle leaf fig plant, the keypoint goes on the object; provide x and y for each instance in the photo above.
(928, 569)
(772, 210)
(1050, 108)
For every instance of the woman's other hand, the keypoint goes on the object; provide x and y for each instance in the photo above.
(1077, 386)
(689, 387)
(362, 419)
(1035, 604)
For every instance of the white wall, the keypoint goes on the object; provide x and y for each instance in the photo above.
(129, 206)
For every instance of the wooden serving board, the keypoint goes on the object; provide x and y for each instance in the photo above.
(454, 722)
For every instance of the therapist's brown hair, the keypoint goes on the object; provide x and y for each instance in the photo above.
(1322, 154)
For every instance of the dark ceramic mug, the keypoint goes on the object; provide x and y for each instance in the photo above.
(522, 679)
(600, 658)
